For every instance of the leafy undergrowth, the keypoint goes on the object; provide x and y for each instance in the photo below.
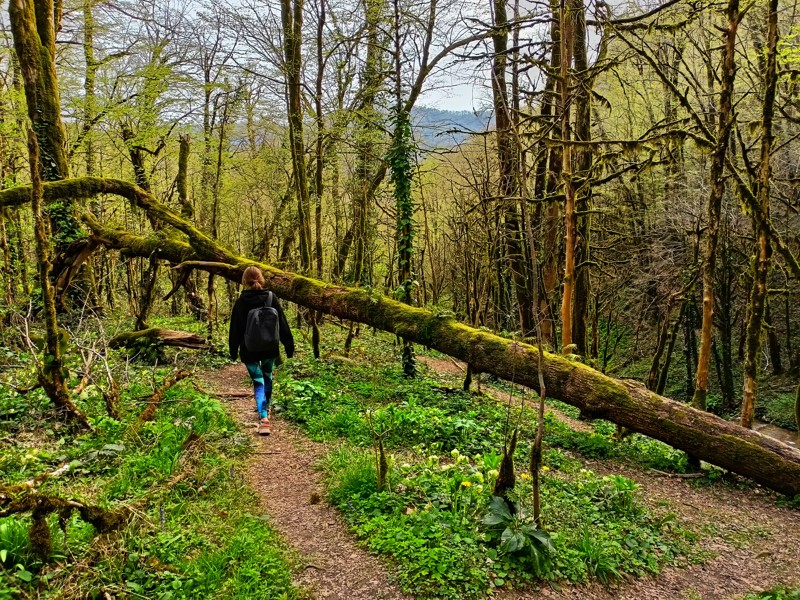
(438, 520)
(778, 409)
(194, 529)
(780, 593)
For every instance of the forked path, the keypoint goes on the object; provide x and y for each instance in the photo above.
(282, 472)
(750, 543)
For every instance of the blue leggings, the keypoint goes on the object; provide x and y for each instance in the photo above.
(261, 374)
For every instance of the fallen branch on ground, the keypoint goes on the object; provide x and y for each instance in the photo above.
(155, 335)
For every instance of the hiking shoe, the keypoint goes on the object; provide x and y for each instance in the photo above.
(264, 428)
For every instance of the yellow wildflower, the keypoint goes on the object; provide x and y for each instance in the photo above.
(545, 468)
(466, 484)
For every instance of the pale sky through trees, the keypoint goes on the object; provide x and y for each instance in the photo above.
(459, 84)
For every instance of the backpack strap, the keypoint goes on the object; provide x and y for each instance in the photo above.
(269, 299)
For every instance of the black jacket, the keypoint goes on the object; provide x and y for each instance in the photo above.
(247, 301)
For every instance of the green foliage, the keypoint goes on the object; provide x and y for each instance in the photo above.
(517, 534)
(445, 444)
(779, 593)
(598, 528)
(778, 408)
(400, 159)
(194, 534)
(353, 476)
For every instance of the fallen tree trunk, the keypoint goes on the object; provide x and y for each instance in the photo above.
(164, 337)
(627, 403)
(149, 413)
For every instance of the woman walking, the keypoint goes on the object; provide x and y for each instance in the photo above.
(247, 327)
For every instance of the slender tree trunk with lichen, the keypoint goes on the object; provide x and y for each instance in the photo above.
(508, 156)
(401, 156)
(367, 123)
(32, 27)
(52, 373)
(725, 120)
(292, 21)
(548, 173)
(582, 100)
(763, 257)
(193, 299)
(566, 29)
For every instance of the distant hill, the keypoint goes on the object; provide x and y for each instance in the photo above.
(434, 127)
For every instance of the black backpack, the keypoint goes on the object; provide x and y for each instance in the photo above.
(262, 333)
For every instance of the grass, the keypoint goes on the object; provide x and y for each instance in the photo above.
(195, 530)
(444, 449)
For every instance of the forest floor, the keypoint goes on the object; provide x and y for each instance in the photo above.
(754, 544)
(282, 471)
(747, 542)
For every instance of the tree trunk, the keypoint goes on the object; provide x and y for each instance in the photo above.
(509, 164)
(52, 373)
(548, 173)
(726, 320)
(717, 180)
(166, 337)
(35, 45)
(401, 156)
(367, 125)
(582, 100)
(662, 379)
(570, 221)
(773, 343)
(292, 20)
(763, 258)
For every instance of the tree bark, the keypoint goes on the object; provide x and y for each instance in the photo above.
(32, 24)
(155, 335)
(509, 166)
(582, 100)
(570, 222)
(292, 20)
(52, 373)
(548, 174)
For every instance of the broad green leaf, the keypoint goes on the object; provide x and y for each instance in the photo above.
(26, 576)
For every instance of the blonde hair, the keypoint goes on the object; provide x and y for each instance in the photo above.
(253, 278)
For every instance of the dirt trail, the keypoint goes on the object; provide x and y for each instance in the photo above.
(454, 368)
(282, 471)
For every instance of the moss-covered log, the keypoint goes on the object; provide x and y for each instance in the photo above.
(627, 403)
(157, 336)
